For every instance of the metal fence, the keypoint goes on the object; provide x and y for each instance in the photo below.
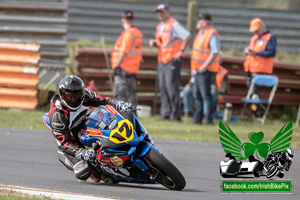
(233, 26)
(52, 22)
(92, 19)
(38, 21)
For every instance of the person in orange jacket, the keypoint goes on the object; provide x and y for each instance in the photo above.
(171, 41)
(222, 84)
(126, 58)
(260, 53)
(92, 86)
(205, 63)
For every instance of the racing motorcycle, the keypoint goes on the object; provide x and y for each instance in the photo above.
(124, 149)
(277, 162)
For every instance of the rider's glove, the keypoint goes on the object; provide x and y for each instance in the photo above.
(288, 165)
(124, 106)
(86, 154)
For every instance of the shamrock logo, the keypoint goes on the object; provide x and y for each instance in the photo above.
(232, 144)
(256, 147)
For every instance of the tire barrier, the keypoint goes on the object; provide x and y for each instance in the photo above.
(19, 66)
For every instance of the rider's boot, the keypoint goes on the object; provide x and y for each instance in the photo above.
(95, 176)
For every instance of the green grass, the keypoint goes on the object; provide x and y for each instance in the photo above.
(18, 197)
(12, 195)
(24, 119)
(163, 129)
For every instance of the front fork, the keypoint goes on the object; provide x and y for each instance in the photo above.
(141, 151)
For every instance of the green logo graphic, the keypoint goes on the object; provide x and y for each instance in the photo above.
(232, 144)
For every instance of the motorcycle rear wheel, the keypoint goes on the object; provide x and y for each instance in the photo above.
(164, 171)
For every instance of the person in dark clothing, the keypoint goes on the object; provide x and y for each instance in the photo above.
(171, 39)
(68, 110)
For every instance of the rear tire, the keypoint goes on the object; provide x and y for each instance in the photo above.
(168, 175)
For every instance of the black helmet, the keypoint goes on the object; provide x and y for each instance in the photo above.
(290, 153)
(71, 90)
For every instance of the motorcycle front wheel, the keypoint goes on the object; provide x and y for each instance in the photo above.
(272, 170)
(164, 171)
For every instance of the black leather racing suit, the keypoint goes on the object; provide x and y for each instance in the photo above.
(66, 123)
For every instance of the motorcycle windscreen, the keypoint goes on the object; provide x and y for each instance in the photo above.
(103, 125)
(101, 119)
(97, 127)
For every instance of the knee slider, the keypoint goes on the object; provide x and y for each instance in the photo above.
(81, 170)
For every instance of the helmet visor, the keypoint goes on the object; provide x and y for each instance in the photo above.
(72, 97)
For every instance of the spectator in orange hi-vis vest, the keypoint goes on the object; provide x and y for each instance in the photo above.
(260, 53)
(92, 86)
(126, 58)
(205, 63)
(171, 39)
(222, 83)
(222, 86)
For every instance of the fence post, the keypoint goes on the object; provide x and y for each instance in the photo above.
(192, 14)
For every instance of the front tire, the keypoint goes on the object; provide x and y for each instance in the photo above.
(272, 170)
(165, 172)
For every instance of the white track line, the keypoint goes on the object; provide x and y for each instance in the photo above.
(51, 194)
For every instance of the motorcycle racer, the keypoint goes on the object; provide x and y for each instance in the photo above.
(68, 109)
(276, 162)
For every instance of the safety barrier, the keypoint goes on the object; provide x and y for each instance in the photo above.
(46, 23)
(19, 66)
(232, 22)
(91, 65)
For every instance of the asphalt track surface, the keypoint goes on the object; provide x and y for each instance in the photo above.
(28, 158)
